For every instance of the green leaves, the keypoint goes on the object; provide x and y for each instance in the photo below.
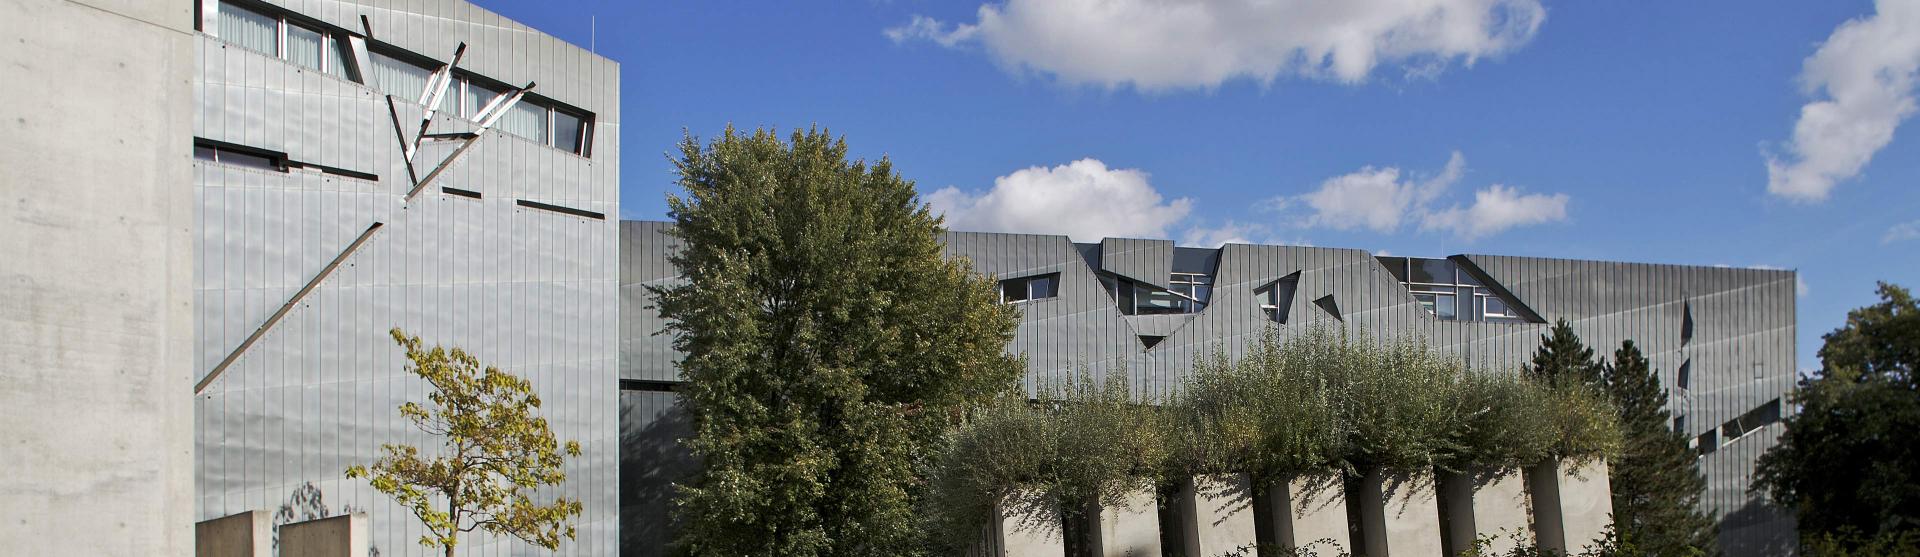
(494, 452)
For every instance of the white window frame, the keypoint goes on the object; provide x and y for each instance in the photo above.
(329, 40)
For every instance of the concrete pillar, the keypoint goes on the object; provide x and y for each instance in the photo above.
(1217, 513)
(1398, 515)
(1130, 528)
(1028, 535)
(1310, 512)
(337, 536)
(1491, 504)
(248, 534)
(1572, 505)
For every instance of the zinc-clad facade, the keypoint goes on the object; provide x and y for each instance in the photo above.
(514, 261)
(1731, 330)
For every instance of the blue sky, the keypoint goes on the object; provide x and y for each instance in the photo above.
(1634, 131)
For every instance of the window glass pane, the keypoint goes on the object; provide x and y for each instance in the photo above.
(249, 29)
(337, 60)
(1395, 265)
(399, 78)
(526, 120)
(1159, 302)
(202, 152)
(568, 132)
(1496, 307)
(1425, 300)
(1203, 293)
(1438, 271)
(1041, 287)
(304, 46)
(1013, 290)
(477, 97)
(1443, 306)
(246, 160)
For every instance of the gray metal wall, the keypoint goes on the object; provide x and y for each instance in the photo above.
(96, 252)
(1741, 352)
(528, 290)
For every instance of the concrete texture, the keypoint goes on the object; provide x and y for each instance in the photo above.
(1020, 535)
(338, 536)
(247, 534)
(1571, 504)
(1130, 528)
(1311, 512)
(1217, 513)
(1399, 515)
(96, 316)
(1486, 504)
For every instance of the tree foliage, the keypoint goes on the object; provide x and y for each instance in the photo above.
(1656, 485)
(1563, 358)
(827, 346)
(1849, 462)
(495, 453)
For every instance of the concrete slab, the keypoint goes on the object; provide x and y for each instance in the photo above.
(1486, 504)
(1311, 512)
(1024, 535)
(1399, 515)
(1572, 505)
(339, 536)
(1217, 513)
(247, 534)
(1129, 529)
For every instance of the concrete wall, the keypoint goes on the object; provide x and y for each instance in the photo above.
(531, 291)
(1399, 516)
(339, 536)
(1130, 528)
(1217, 513)
(1572, 505)
(96, 314)
(1311, 513)
(246, 534)
(1487, 504)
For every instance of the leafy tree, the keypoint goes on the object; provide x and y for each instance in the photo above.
(1656, 485)
(828, 347)
(1563, 358)
(1849, 462)
(494, 453)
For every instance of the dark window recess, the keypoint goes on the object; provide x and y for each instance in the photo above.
(646, 385)
(1684, 377)
(1150, 341)
(1190, 294)
(1680, 424)
(1686, 323)
(1277, 297)
(1332, 308)
(254, 157)
(1037, 287)
(1708, 442)
(1754, 419)
(1395, 265)
(460, 192)
(560, 209)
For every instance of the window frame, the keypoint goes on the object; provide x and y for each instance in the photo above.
(1026, 284)
(330, 38)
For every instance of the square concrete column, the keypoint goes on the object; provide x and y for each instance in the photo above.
(1572, 505)
(248, 534)
(1310, 512)
(1217, 513)
(339, 536)
(1129, 528)
(1399, 516)
(1489, 503)
(1029, 534)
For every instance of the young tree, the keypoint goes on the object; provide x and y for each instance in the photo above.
(1656, 487)
(1563, 358)
(828, 346)
(494, 452)
(1849, 462)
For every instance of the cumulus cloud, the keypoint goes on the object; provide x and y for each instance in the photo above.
(1867, 70)
(1902, 232)
(1496, 209)
(1172, 44)
(1082, 199)
(1384, 199)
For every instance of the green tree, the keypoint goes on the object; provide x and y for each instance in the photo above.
(1563, 358)
(1849, 462)
(828, 347)
(1656, 485)
(494, 453)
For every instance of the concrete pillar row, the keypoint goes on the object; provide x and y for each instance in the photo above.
(247, 534)
(338, 536)
(1399, 514)
(1486, 504)
(1217, 514)
(1572, 504)
(1130, 528)
(1310, 512)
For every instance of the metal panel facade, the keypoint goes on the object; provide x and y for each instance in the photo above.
(528, 290)
(1740, 353)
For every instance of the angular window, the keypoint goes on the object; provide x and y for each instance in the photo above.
(1189, 296)
(250, 29)
(1449, 292)
(230, 155)
(1707, 443)
(1762, 416)
(1193, 289)
(1026, 289)
(476, 98)
(399, 78)
(1277, 298)
(569, 132)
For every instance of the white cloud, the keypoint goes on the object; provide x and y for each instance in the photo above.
(1902, 232)
(1384, 199)
(1173, 44)
(1867, 70)
(1083, 199)
(923, 28)
(1497, 209)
